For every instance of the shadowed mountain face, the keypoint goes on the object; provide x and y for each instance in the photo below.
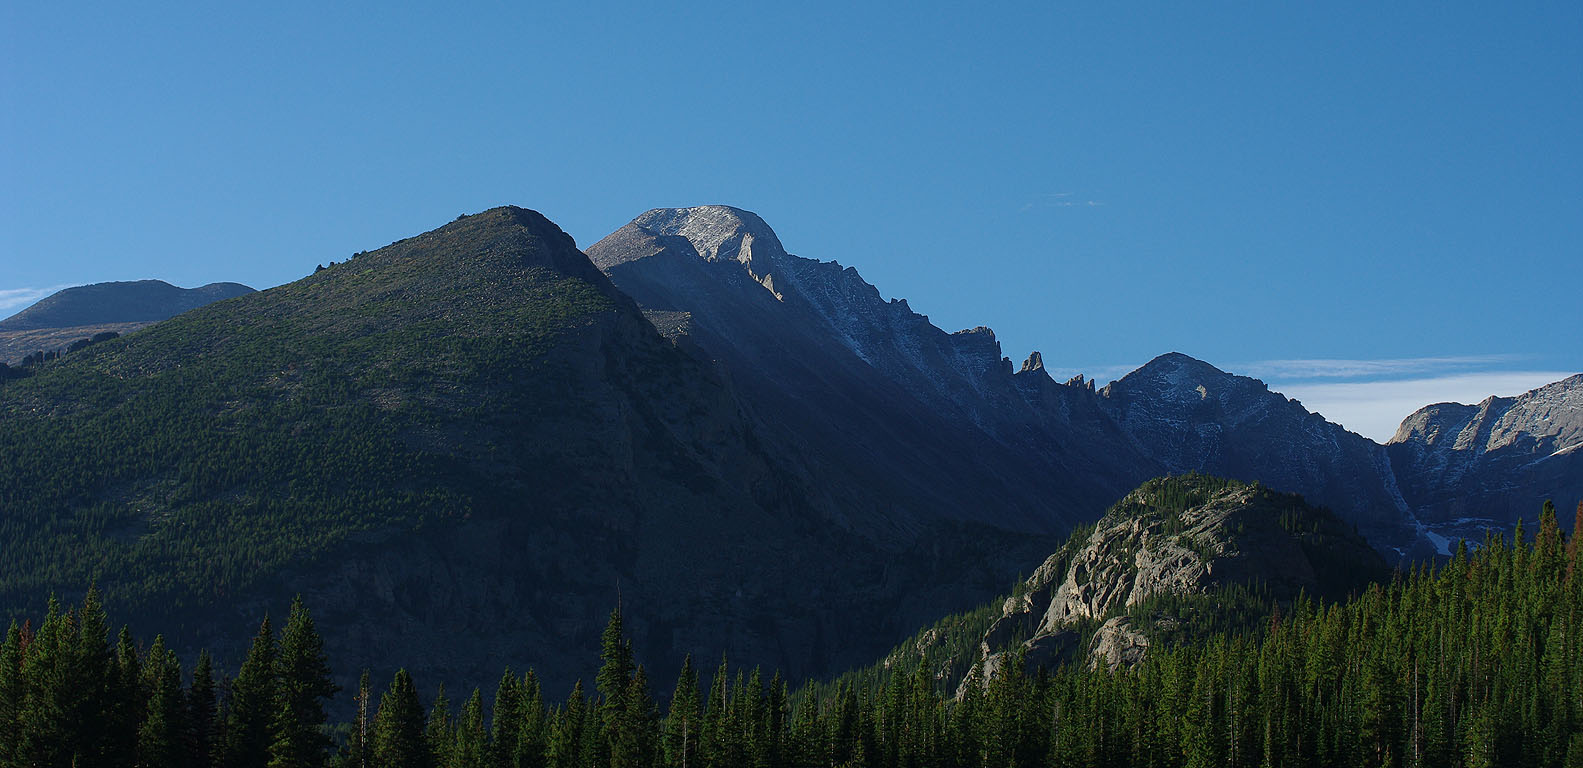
(1466, 466)
(83, 311)
(947, 424)
(457, 448)
(905, 418)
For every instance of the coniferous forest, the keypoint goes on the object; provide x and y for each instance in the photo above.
(1478, 662)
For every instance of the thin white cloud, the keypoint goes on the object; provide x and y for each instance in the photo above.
(1375, 409)
(17, 298)
(1059, 200)
(1352, 369)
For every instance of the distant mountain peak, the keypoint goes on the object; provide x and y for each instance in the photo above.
(1178, 376)
(133, 301)
(1187, 364)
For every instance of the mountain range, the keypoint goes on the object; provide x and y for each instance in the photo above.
(472, 442)
(814, 346)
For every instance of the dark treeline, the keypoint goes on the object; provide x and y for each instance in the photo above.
(1477, 663)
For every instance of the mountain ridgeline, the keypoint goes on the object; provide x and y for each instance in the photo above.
(941, 420)
(462, 447)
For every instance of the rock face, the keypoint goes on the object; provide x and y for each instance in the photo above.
(1465, 466)
(1171, 540)
(86, 310)
(939, 421)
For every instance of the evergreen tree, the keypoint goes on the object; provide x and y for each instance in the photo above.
(507, 720)
(440, 731)
(11, 695)
(714, 732)
(201, 711)
(682, 722)
(91, 678)
(251, 705)
(471, 748)
(43, 735)
(566, 738)
(398, 738)
(533, 737)
(633, 743)
(162, 736)
(128, 699)
(303, 674)
(358, 753)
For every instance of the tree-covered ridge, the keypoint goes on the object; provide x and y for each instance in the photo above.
(1477, 663)
(1174, 508)
(181, 463)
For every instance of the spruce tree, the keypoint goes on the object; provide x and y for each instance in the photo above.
(398, 739)
(358, 754)
(615, 671)
(682, 722)
(533, 737)
(162, 736)
(42, 736)
(506, 720)
(252, 705)
(201, 712)
(128, 700)
(566, 737)
(633, 745)
(439, 730)
(471, 748)
(303, 674)
(11, 693)
(91, 677)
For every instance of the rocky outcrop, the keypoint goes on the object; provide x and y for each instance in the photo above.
(1467, 466)
(1106, 595)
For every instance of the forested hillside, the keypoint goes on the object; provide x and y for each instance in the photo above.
(458, 446)
(1478, 663)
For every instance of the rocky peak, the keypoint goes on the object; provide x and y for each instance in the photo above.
(722, 233)
(1176, 537)
(1035, 362)
(715, 231)
(1176, 376)
(1459, 465)
(1551, 417)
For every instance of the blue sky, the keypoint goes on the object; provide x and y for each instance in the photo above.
(1254, 184)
